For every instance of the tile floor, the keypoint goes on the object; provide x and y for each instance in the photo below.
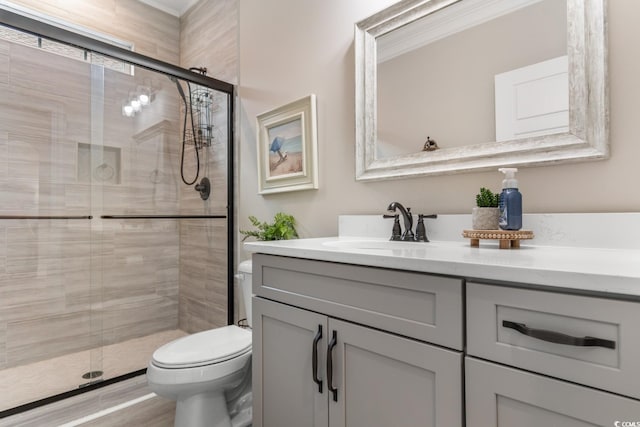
(35, 381)
(127, 403)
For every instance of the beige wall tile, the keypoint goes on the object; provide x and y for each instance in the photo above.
(3, 345)
(46, 337)
(4, 63)
(208, 39)
(203, 282)
(153, 33)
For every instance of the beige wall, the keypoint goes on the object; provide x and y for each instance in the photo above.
(290, 48)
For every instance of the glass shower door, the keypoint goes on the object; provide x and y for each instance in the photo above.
(135, 180)
(108, 248)
(46, 288)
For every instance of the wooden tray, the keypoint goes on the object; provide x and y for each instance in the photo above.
(508, 239)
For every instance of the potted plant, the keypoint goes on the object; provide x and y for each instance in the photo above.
(282, 228)
(486, 214)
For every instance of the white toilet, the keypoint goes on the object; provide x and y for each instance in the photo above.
(208, 374)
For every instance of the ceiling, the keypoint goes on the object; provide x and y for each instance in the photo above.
(173, 7)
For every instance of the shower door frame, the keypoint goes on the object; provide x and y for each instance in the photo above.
(51, 32)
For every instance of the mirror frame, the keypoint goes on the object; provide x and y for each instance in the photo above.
(588, 135)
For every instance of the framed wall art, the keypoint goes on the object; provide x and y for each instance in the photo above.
(288, 148)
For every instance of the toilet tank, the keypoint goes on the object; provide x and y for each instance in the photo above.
(244, 280)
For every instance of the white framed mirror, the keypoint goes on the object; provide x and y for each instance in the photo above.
(491, 82)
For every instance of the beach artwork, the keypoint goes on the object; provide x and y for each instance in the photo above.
(285, 149)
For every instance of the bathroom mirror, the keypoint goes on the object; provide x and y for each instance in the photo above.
(445, 86)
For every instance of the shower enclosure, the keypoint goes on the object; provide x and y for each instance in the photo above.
(106, 252)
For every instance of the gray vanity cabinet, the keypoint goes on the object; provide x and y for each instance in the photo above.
(364, 375)
(386, 380)
(538, 358)
(507, 397)
(284, 393)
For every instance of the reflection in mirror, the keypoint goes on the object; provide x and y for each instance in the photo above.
(489, 83)
(427, 90)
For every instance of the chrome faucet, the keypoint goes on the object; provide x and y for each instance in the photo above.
(407, 235)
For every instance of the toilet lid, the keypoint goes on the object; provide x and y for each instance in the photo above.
(204, 348)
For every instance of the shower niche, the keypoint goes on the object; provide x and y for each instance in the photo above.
(104, 169)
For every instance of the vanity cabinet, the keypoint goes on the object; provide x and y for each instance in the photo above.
(545, 358)
(350, 346)
(507, 397)
(323, 357)
(284, 393)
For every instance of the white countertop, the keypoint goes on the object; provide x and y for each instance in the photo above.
(611, 271)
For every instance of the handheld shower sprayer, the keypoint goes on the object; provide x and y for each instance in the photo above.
(199, 139)
(180, 90)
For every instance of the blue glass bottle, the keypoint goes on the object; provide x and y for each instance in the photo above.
(510, 209)
(510, 202)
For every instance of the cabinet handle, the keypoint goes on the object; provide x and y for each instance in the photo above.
(557, 337)
(332, 344)
(314, 359)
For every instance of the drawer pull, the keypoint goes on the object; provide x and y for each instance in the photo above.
(332, 344)
(314, 359)
(557, 337)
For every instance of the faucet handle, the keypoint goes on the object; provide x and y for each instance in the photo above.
(427, 216)
(396, 230)
(421, 229)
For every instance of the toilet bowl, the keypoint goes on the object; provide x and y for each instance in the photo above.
(208, 374)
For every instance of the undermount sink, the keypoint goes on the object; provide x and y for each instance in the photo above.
(371, 244)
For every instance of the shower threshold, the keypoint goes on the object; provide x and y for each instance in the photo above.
(27, 383)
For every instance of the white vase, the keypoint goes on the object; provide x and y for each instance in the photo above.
(485, 218)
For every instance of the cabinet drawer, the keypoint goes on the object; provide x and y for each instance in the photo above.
(535, 330)
(416, 305)
(508, 397)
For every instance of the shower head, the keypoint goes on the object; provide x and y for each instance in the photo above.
(180, 90)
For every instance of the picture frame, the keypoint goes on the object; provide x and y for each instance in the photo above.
(288, 148)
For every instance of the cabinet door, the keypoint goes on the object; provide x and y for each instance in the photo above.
(284, 391)
(507, 397)
(386, 380)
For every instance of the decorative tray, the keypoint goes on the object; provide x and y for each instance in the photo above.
(508, 239)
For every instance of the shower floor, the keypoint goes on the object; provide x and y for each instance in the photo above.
(27, 383)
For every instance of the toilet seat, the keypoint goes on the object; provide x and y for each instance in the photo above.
(204, 348)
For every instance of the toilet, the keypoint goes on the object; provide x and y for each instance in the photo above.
(208, 374)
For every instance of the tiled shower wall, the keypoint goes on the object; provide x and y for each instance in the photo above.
(208, 38)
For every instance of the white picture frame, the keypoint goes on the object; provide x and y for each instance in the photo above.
(287, 147)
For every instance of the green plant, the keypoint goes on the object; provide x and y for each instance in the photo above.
(487, 199)
(282, 228)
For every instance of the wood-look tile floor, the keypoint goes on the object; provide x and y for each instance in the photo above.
(27, 383)
(128, 403)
